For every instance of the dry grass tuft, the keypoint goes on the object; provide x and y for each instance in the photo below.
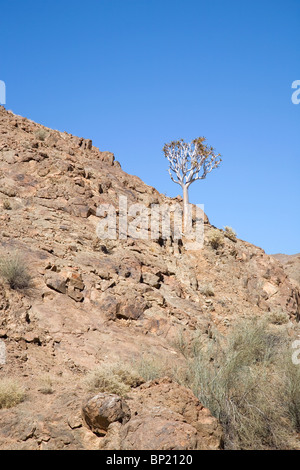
(14, 270)
(41, 134)
(230, 233)
(216, 239)
(116, 379)
(7, 205)
(46, 385)
(245, 382)
(207, 290)
(11, 393)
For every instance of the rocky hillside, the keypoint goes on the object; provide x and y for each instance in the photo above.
(98, 302)
(291, 265)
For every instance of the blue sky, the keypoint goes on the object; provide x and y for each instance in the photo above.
(134, 74)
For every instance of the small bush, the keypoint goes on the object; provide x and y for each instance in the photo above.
(41, 134)
(242, 380)
(181, 344)
(10, 393)
(246, 379)
(277, 317)
(112, 379)
(187, 345)
(291, 391)
(207, 290)
(6, 205)
(126, 376)
(216, 239)
(15, 271)
(230, 233)
(150, 368)
(46, 385)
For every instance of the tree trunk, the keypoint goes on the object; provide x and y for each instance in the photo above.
(185, 205)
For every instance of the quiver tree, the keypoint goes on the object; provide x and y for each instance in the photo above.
(188, 162)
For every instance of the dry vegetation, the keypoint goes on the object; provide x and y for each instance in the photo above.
(216, 239)
(230, 233)
(11, 393)
(41, 135)
(207, 290)
(116, 379)
(248, 381)
(14, 270)
(6, 205)
(46, 385)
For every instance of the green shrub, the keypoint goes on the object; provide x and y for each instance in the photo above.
(187, 344)
(181, 344)
(14, 270)
(246, 379)
(10, 393)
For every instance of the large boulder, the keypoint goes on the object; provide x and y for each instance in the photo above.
(104, 409)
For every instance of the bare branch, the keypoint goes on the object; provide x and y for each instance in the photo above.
(189, 162)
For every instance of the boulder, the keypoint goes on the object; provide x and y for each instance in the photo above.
(151, 279)
(56, 282)
(104, 409)
(131, 308)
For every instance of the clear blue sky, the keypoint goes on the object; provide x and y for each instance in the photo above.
(134, 74)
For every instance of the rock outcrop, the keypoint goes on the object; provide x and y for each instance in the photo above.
(163, 415)
(93, 301)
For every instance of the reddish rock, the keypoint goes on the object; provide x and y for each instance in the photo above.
(104, 409)
(56, 282)
(165, 416)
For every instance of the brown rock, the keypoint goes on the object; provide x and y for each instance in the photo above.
(110, 306)
(165, 393)
(75, 294)
(107, 157)
(132, 308)
(56, 282)
(151, 279)
(163, 431)
(56, 187)
(165, 416)
(75, 280)
(102, 410)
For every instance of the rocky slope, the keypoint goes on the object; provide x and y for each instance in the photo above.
(94, 302)
(291, 265)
